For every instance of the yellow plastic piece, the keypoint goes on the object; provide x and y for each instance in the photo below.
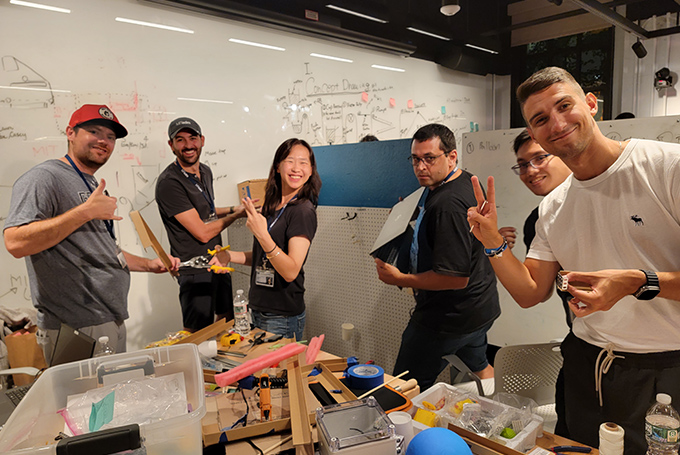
(425, 417)
(458, 407)
(428, 405)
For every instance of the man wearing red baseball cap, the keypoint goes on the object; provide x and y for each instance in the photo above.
(61, 221)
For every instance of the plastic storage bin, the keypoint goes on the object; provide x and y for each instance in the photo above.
(32, 427)
(523, 441)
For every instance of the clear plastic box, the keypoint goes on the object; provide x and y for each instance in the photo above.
(32, 427)
(523, 441)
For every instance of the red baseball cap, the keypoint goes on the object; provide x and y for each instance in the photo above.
(98, 114)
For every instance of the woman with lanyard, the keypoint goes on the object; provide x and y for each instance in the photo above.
(283, 234)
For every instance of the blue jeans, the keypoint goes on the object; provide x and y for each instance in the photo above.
(422, 350)
(288, 326)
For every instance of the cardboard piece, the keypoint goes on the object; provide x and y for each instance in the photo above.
(254, 189)
(149, 240)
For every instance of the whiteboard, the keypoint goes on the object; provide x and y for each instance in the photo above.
(52, 63)
(491, 153)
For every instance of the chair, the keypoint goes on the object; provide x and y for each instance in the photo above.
(528, 370)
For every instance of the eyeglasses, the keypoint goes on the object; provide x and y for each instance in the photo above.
(536, 162)
(428, 160)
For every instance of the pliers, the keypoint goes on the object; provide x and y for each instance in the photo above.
(203, 262)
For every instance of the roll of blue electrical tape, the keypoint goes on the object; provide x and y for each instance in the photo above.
(365, 377)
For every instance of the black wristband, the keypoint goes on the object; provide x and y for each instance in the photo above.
(272, 250)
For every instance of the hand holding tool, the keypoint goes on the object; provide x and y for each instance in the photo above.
(203, 262)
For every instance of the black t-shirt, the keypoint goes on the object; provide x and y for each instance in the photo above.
(175, 193)
(286, 299)
(530, 228)
(447, 247)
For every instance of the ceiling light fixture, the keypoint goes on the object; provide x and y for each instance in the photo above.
(205, 101)
(251, 43)
(449, 7)
(354, 13)
(35, 89)
(490, 51)
(154, 25)
(330, 57)
(388, 68)
(40, 6)
(423, 32)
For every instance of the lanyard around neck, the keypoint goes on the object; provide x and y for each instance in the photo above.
(107, 223)
(281, 213)
(209, 199)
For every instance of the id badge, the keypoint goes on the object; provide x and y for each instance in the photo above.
(211, 217)
(264, 277)
(121, 257)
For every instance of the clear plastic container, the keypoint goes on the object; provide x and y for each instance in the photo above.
(241, 322)
(33, 425)
(662, 424)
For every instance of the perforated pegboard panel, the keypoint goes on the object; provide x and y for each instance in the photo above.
(240, 239)
(342, 286)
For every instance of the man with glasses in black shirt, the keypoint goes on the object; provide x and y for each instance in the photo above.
(453, 282)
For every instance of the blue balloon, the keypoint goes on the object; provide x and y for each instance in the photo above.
(438, 441)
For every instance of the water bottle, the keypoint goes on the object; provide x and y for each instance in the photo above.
(241, 324)
(662, 424)
(103, 347)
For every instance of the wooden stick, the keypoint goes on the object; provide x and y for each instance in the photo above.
(381, 385)
(278, 444)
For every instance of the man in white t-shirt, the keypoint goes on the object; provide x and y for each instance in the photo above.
(615, 225)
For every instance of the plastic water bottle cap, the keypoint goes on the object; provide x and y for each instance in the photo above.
(240, 291)
(663, 398)
(103, 339)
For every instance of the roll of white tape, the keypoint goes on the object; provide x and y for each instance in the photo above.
(208, 348)
(611, 439)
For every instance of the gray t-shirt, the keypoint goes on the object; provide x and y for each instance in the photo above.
(79, 281)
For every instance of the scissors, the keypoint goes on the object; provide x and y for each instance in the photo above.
(203, 262)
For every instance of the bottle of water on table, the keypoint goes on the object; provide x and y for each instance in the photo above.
(662, 424)
(241, 323)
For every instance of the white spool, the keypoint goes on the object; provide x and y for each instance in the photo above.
(611, 439)
(347, 331)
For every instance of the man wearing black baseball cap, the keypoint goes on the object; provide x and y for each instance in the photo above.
(61, 221)
(186, 201)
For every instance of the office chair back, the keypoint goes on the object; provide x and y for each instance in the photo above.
(528, 370)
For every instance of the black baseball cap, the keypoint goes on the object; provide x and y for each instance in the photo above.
(181, 123)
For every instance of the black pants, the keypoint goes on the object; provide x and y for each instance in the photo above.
(628, 391)
(204, 295)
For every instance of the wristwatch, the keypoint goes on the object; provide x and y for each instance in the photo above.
(650, 289)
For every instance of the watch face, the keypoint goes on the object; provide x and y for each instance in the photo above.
(647, 292)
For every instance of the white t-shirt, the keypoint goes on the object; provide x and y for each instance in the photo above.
(626, 218)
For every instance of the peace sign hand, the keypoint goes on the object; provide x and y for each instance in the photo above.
(483, 218)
